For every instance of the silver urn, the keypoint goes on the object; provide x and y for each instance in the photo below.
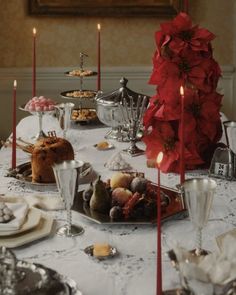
(109, 112)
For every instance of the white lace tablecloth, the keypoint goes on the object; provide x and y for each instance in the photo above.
(133, 272)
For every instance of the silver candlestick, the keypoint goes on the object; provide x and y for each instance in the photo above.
(82, 55)
(132, 117)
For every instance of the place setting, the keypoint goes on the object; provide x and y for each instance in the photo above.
(25, 224)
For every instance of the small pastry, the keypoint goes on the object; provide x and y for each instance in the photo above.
(102, 145)
(101, 250)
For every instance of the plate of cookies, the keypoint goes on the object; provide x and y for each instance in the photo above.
(84, 115)
(79, 94)
(80, 73)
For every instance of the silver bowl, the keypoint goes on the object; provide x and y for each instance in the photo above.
(108, 110)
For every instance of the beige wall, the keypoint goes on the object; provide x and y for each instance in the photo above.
(125, 41)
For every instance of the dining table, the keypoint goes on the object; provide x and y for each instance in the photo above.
(133, 270)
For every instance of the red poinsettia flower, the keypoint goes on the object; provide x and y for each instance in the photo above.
(186, 36)
(150, 114)
(213, 73)
(183, 57)
(190, 69)
(163, 70)
(162, 137)
(184, 69)
(169, 92)
(161, 40)
(202, 115)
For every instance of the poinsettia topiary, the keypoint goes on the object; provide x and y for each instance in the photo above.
(183, 56)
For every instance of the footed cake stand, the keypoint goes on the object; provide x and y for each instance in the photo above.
(40, 114)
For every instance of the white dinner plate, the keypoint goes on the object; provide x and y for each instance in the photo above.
(32, 220)
(43, 229)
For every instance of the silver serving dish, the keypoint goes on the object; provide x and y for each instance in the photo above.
(23, 173)
(108, 110)
(20, 277)
(174, 210)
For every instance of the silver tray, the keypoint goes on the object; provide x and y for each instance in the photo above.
(71, 284)
(175, 210)
(30, 277)
(34, 277)
(23, 173)
(64, 94)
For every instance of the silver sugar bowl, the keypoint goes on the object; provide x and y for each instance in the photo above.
(109, 112)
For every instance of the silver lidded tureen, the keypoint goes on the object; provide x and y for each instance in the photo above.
(108, 108)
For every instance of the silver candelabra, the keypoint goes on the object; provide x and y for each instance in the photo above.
(132, 117)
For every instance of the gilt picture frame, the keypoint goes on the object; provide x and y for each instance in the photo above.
(105, 8)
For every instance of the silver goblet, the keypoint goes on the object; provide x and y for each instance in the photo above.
(198, 194)
(67, 178)
(64, 110)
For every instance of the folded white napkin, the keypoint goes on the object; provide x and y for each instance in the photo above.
(20, 211)
(45, 201)
(42, 201)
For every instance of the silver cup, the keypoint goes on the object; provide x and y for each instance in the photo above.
(230, 133)
(67, 178)
(64, 115)
(198, 194)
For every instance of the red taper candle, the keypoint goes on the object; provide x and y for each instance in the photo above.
(34, 64)
(182, 159)
(13, 160)
(186, 6)
(159, 258)
(99, 58)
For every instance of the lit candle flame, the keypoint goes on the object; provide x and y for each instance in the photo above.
(99, 27)
(34, 31)
(159, 158)
(181, 90)
(15, 83)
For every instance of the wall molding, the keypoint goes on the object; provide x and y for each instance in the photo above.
(52, 81)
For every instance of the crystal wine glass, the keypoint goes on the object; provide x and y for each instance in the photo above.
(67, 177)
(198, 193)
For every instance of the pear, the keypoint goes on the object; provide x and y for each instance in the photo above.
(100, 200)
